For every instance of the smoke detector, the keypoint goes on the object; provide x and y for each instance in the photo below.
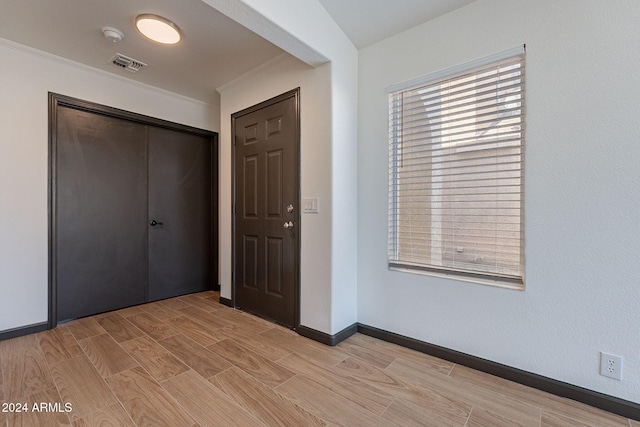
(127, 63)
(112, 34)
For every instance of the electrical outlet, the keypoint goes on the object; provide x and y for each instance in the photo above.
(611, 366)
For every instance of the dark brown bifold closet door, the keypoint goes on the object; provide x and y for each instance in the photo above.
(133, 220)
(180, 205)
(101, 233)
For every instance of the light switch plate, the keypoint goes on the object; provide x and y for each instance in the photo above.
(310, 205)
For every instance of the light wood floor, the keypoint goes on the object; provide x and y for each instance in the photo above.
(190, 361)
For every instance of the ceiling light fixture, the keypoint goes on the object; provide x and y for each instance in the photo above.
(158, 29)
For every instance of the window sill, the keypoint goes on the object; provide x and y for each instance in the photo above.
(505, 284)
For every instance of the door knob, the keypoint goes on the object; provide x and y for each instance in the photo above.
(153, 223)
(288, 225)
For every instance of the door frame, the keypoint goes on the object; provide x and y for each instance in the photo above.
(58, 100)
(294, 93)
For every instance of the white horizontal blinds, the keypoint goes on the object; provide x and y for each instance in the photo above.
(456, 172)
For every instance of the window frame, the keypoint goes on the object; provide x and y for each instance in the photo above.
(476, 276)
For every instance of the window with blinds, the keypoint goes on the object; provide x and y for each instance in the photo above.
(456, 157)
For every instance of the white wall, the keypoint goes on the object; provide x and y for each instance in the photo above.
(304, 29)
(27, 76)
(279, 76)
(582, 192)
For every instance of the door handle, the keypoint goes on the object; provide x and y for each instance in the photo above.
(288, 225)
(153, 223)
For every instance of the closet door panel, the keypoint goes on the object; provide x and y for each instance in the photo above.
(101, 213)
(180, 204)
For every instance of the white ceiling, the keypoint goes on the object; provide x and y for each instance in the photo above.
(366, 22)
(214, 50)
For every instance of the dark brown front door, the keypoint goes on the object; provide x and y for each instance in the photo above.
(267, 208)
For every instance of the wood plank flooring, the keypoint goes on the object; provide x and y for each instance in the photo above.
(190, 361)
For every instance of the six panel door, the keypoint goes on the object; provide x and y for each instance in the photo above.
(267, 211)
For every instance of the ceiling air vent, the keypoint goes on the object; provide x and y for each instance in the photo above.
(127, 63)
